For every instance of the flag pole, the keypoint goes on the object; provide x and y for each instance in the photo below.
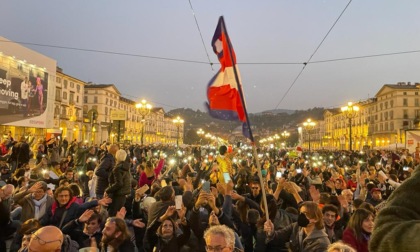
(254, 149)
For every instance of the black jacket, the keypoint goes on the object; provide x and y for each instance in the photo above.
(20, 153)
(102, 172)
(119, 180)
(75, 230)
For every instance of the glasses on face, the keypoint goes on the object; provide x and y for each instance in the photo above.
(43, 242)
(215, 249)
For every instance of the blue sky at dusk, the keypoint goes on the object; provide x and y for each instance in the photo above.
(270, 31)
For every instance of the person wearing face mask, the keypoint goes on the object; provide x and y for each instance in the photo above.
(307, 234)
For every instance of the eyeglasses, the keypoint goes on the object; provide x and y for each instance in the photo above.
(215, 249)
(43, 242)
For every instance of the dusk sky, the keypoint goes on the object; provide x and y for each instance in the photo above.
(268, 31)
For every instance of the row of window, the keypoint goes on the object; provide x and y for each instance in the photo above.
(65, 82)
(59, 96)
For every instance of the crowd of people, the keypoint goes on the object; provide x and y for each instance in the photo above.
(60, 196)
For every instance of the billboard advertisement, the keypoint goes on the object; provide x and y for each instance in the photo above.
(27, 86)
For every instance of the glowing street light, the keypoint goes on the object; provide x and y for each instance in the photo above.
(178, 121)
(200, 133)
(350, 111)
(309, 125)
(285, 135)
(143, 108)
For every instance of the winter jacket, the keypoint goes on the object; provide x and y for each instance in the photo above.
(316, 241)
(69, 245)
(102, 173)
(24, 199)
(60, 216)
(350, 238)
(75, 230)
(396, 224)
(151, 239)
(20, 153)
(281, 220)
(119, 180)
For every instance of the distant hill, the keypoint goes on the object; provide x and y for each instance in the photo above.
(263, 124)
(277, 111)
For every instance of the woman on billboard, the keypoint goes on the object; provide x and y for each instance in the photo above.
(39, 88)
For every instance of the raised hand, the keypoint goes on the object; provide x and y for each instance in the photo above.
(35, 187)
(221, 187)
(229, 187)
(105, 201)
(170, 211)
(315, 194)
(343, 201)
(269, 227)
(138, 223)
(85, 216)
(330, 184)
(181, 212)
(121, 214)
(202, 200)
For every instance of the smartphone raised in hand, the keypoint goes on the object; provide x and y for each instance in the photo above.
(206, 187)
(178, 202)
(226, 177)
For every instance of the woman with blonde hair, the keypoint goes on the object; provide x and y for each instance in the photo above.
(340, 247)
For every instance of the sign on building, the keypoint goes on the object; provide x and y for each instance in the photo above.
(118, 115)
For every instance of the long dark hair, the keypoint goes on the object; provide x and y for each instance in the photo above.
(356, 221)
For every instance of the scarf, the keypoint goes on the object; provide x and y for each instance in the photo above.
(40, 206)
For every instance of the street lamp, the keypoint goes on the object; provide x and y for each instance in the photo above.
(200, 133)
(178, 121)
(285, 135)
(144, 109)
(350, 111)
(309, 125)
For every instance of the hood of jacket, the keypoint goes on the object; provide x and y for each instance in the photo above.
(55, 205)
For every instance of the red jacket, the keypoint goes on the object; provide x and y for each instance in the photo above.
(350, 239)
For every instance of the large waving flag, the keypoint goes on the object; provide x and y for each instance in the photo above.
(224, 91)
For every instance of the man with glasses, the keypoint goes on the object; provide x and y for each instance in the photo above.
(46, 239)
(256, 191)
(219, 238)
(34, 201)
